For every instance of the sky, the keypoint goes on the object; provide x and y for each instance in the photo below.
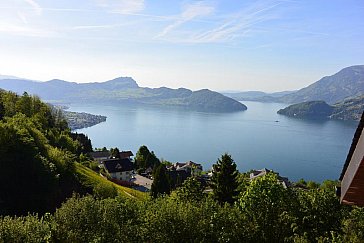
(240, 45)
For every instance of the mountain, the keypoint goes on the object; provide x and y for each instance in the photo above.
(349, 82)
(348, 109)
(124, 90)
(309, 109)
(257, 95)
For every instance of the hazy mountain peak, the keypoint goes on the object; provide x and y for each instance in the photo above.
(126, 82)
(8, 77)
(58, 81)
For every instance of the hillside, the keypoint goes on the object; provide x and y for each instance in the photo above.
(124, 90)
(42, 163)
(309, 109)
(348, 109)
(349, 82)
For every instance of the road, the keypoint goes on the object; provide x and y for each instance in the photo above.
(143, 183)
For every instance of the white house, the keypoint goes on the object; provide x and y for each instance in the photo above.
(120, 169)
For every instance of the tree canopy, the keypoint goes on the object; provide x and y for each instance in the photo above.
(224, 181)
(161, 182)
(145, 159)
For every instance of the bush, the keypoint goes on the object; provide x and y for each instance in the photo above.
(26, 229)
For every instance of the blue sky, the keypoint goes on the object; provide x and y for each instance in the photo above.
(220, 45)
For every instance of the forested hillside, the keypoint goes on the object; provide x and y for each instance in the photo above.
(38, 157)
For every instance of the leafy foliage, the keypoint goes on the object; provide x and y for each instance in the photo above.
(191, 190)
(265, 212)
(270, 207)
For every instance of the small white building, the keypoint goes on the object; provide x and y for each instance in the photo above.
(120, 169)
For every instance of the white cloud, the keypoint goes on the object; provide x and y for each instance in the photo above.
(238, 26)
(189, 13)
(25, 31)
(36, 7)
(123, 6)
(225, 28)
(22, 17)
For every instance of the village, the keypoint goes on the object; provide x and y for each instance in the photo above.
(122, 169)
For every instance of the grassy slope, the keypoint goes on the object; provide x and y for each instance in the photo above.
(91, 178)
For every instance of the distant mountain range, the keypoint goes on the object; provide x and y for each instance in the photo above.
(257, 95)
(123, 90)
(349, 82)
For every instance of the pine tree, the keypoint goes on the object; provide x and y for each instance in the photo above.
(161, 182)
(224, 180)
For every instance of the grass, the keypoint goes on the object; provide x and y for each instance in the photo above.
(90, 178)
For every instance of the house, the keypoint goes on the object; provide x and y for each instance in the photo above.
(352, 175)
(189, 167)
(126, 154)
(100, 156)
(120, 169)
(257, 173)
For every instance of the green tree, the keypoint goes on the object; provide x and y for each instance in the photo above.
(115, 153)
(353, 226)
(329, 185)
(2, 109)
(270, 207)
(191, 190)
(141, 156)
(145, 159)
(312, 185)
(161, 182)
(151, 161)
(225, 180)
(319, 213)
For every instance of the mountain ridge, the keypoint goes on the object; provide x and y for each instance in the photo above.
(124, 90)
(346, 83)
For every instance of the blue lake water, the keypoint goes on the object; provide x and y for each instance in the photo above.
(309, 149)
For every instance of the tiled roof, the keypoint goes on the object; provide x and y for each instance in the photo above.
(100, 154)
(126, 154)
(118, 165)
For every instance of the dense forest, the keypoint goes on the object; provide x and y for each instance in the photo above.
(48, 193)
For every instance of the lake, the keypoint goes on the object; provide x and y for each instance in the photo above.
(256, 138)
